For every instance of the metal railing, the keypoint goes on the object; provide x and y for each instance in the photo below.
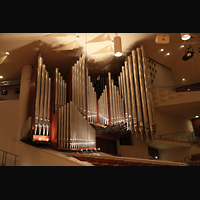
(183, 136)
(4, 159)
(181, 88)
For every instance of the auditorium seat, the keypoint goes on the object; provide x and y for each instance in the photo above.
(117, 162)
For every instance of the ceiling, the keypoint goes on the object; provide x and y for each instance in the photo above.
(23, 49)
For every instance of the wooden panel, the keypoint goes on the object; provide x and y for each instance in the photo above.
(107, 145)
(54, 127)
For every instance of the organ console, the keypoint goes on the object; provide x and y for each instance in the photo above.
(62, 109)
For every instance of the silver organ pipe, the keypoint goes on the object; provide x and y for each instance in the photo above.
(147, 81)
(37, 100)
(128, 95)
(61, 106)
(42, 100)
(110, 97)
(79, 132)
(125, 94)
(132, 101)
(134, 112)
(137, 93)
(143, 95)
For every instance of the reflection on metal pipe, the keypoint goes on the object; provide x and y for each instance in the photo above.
(42, 100)
(137, 92)
(134, 112)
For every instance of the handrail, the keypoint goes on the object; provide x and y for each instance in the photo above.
(175, 88)
(5, 157)
(190, 133)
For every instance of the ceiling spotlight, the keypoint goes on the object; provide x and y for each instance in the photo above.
(162, 50)
(168, 54)
(197, 116)
(188, 54)
(117, 46)
(183, 79)
(77, 37)
(182, 45)
(185, 36)
(1, 76)
(7, 53)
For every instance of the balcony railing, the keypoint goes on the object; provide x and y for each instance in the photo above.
(183, 136)
(8, 159)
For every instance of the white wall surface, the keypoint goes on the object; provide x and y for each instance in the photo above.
(163, 75)
(167, 123)
(9, 111)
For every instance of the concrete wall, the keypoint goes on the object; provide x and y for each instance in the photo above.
(9, 111)
(167, 123)
(163, 75)
(178, 154)
(139, 149)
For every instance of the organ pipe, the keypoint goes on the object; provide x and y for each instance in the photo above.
(143, 95)
(42, 100)
(130, 102)
(137, 93)
(134, 112)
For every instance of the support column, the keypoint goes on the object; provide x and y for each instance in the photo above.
(23, 98)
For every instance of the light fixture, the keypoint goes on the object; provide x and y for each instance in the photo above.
(188, 54)
(156, 157)
(77, 37)
(117, 46)
(112, 42)
(185, 36)
(197, 116)
(7, 53)
(1, 76)
(4, 92)
(183, 79)
(182, 45)
(162, 50)
(168, 54)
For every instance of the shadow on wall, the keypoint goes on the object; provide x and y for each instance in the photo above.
(110, 64)
(28, 54)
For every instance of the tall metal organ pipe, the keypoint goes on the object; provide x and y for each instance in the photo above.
(42, 100)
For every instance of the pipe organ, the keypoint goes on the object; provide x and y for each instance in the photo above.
(61, 111)
(40, 102)
(61, 107)
(130, 103)
(73, 130)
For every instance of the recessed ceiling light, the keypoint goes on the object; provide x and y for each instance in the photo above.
(168, 54)
(7, 53)
(185, 36)
(1, 76)
(183, 79)
(77, 37)
(197, 116)
(182, 45)
(162, 50)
